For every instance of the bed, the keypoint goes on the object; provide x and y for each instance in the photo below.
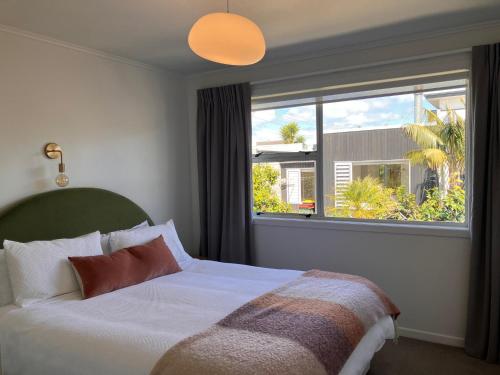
(129, 330)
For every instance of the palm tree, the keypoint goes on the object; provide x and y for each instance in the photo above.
(365, 198)
(441, 142)
(289, 133)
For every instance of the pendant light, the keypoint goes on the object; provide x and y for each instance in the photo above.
(227, 38)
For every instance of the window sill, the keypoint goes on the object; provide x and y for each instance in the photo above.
(415, 229)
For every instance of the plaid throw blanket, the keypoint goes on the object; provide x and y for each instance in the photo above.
(308, 326)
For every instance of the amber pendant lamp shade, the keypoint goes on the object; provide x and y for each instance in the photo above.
(227, 38)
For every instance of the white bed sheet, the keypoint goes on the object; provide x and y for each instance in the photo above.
(127, 331)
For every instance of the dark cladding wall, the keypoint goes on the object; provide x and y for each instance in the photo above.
(367, 145)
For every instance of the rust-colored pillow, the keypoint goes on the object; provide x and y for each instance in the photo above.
(133, 265)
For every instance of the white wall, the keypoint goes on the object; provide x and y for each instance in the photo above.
(122, 126)
(426, 272)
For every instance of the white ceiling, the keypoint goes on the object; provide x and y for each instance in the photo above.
(155, 31)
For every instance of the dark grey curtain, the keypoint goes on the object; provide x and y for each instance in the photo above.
(224, 130)
(483, 325)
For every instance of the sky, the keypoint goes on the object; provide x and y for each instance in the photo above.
(361, 113)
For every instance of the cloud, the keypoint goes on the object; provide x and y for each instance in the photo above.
(357, 119)
(262, 117)
(350, 107)
(300, 114)
(344, 109)
(405, 98)
(390, 116)
(371, 112)
(265, 134)
(380, 103)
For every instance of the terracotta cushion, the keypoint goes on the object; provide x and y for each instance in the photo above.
(133, 265)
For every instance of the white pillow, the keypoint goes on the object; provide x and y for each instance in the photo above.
(106, 248)
(134, 237)
(40, 269)
(6, 297)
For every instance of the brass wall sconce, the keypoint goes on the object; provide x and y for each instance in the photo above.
(54, 151)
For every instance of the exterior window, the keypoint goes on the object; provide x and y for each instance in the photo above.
(300, 182)
(285, 187)
(390, 175)
(394, 154)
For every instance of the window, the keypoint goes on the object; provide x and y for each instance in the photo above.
(285, 153)
(393, 175)
(284, 130)
(288, 187)
(395, 153)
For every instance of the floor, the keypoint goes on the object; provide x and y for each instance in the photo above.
(413, 357)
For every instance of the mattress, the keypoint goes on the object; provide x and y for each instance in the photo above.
(127, 331)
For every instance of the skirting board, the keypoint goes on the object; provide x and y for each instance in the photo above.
(431, 337)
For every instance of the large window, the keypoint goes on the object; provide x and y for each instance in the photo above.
(395, 154)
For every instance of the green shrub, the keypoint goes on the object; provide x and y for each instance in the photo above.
(265, 199)
(407, 207)
(365, 198)
(440, 207)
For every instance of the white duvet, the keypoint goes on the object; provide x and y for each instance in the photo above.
(127, 331)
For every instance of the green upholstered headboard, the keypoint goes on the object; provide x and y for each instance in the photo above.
(69, 213)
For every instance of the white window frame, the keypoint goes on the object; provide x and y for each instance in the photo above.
(297, 186)
(318, 219)
(306, 169)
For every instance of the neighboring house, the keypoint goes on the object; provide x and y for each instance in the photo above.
(349, 155)
(358, 153)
